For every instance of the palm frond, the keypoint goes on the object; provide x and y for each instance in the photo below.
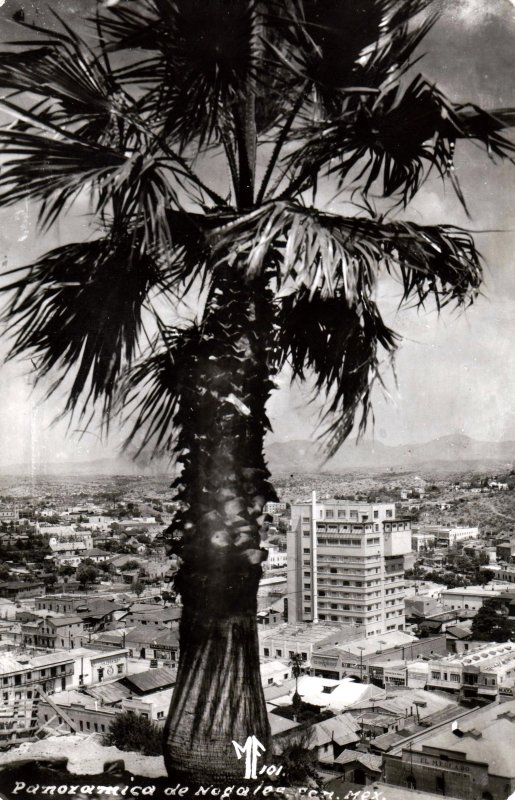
(78, 311)
(338, 344)
(80, 89)
(329, 253)
(399, 136)
(152, 388)
(393, 52)
(337, 32)
(41, 168)
(206, 56)
(337, 44)
(131, 25)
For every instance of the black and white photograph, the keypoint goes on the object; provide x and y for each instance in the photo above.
(257, 399)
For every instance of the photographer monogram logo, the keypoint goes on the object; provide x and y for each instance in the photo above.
(252, 750)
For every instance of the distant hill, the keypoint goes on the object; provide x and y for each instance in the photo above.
(453, 453)
(447, 453)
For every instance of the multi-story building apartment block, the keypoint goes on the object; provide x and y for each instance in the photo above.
(346, 564)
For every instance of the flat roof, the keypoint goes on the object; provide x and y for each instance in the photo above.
(485, 736)
(478, 654)
(477, 590)
(307, 634)
(375, 644)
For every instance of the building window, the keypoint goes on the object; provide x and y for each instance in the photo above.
(306, 550)
(266, 652)
(119, 668)
(160, 714)
(435, 676)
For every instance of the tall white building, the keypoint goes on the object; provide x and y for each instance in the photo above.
(346, 564)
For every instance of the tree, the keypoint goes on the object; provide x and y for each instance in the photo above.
(281, 97)
(296, 669)
(86, 574)
(130, 731)
(491, 623)
(137, 588)
(129, 565)
(298, 758)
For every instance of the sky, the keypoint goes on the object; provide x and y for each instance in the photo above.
(455, 373)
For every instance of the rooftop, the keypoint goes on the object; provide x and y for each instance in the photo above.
(481, 654)
(59, 621)
(19, 662)
(375, 644)
(150, 681)
(330, 694)
(341, 729)
(109, 694)
(480, 591)
(485, 736)
(303, 634)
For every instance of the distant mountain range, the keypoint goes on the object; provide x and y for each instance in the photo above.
(448, 453)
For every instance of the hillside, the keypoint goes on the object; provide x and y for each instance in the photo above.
(450, 453)
(453, 453)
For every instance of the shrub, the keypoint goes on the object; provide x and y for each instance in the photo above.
(130, 731)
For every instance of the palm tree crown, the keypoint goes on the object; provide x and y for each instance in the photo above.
(273, 97)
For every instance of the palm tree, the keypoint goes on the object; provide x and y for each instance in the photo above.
(201, 133)
(296, 669)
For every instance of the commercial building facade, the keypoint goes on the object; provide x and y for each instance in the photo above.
(346, 564)
(484, 671)
(469, 758)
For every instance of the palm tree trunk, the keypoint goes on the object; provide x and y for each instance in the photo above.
(218, 697)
